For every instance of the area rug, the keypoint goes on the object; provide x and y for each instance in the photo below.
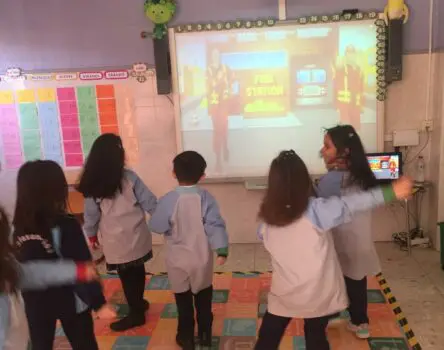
(239, 302)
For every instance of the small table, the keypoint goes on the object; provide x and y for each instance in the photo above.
(419, 188)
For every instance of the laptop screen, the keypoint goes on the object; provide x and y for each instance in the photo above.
(385, 166)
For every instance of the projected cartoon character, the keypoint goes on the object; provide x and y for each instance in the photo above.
(348, 87)
(219, 81)
(160, 12)
(393, 167)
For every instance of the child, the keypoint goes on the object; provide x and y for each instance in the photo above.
(190, 219)
(14, 333)
(307, 279)
(349, 172)
(116, 200)
(40, 210)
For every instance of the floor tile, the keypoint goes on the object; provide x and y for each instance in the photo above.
(240, 327)
(240, 299)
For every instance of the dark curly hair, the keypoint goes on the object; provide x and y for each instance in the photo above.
(8, 266)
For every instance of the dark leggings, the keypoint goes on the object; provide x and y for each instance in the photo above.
(79, 330)
(185, 308)
(133, 284)
(273, 328)
(357, 294)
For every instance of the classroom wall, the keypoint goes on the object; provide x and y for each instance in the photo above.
(51, 34)
(405, 109)
(54, 34)
(436, 163)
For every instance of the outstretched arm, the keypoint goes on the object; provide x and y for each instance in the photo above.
(43, 274)
(326, 214)
(160, 221)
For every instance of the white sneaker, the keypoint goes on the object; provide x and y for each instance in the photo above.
(361, 331)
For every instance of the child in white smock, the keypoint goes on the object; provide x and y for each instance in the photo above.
(190, 219)
(307, 280)
(116, 200)
(349, 172)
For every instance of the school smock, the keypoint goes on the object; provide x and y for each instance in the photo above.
(120, 222)
(14, 333)
(190, 219)
(307, 280)
(353, 240)
(58, 301)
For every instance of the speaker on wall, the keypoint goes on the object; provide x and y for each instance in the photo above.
(162, 62)
(394, 52)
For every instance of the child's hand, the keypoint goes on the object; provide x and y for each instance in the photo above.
(220, 260)
(93, 242)
(106, 312)
(403, 188)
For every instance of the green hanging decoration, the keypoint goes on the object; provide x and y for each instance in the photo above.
(160, 12)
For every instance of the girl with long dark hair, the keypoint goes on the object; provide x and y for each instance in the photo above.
(43, 230)
(116, 201)
(307, 280)
(348, 172)
(14, 333)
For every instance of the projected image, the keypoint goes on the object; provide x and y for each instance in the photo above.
(247, 94)
(384, 167)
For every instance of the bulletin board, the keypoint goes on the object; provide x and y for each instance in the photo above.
(58, 115)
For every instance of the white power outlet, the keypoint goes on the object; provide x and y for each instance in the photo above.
(427, 125)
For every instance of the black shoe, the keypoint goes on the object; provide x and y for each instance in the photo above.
(185, 344)
(205, 339)
(128, 322)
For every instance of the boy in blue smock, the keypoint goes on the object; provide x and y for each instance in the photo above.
(190, 219)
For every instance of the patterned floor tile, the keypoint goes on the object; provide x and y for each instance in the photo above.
(106, 342)
(299, 343)
(237, 343)
(342, 339)
(388, 344)
(61, 343)
(295, 328)
(241, 310)
(251, 283)
(375, 296)
(245, 275)
(118, 297)
(244, 296)
(286, 343)
(220, 296)
(222, 281)
(158, 283)
(170, 311)
(159, 296)
(240, 327)
(239, 302)
(131, 343)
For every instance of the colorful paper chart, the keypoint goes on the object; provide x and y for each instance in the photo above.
(59, 124)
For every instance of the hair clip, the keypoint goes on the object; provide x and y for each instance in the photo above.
(288, 154)
(350, 135)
